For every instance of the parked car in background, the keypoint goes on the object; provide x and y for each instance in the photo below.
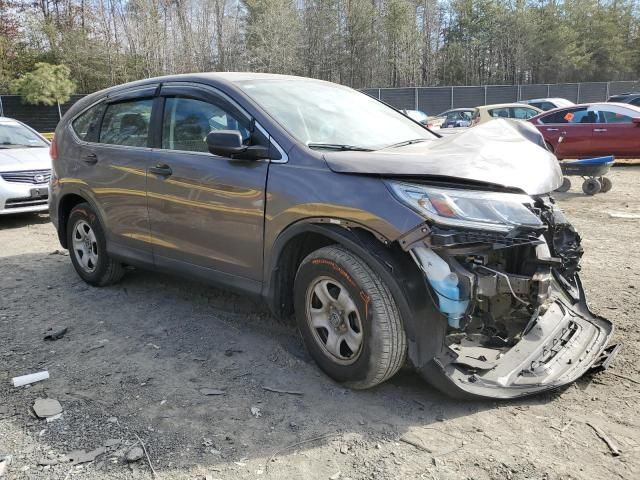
(591, 130)
(631, 98)
(548, 103)
(517, 111)
(456, 117)
(385, 241)
(25, 168)
(417, 115)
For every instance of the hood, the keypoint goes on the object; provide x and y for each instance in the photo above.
(505, 153)
(16, 159)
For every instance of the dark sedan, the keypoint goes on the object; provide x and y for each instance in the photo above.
(590, 130)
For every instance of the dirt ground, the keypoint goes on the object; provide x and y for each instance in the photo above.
(136, 356)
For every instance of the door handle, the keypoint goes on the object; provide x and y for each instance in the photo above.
(90, 158)
(163, 170)
(599, 129)
(552, 129)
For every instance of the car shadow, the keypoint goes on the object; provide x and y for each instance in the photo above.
(137, 356)
(19, 220)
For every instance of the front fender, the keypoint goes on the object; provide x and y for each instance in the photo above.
(424, 325)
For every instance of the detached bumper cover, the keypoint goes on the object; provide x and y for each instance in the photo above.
(563, 344)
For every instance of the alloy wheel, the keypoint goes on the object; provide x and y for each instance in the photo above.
(85, 246)
(334, 320)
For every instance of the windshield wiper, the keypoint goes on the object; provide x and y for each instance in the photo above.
(406, 142)
(343, 148)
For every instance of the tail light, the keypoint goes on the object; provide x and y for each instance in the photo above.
(53, 149)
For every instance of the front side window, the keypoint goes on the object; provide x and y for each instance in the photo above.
(127, 123)
(502, 112)
(86, 124)
(522, 113)
(322, 114)
(187, 121)
(615, 117)
(636, 101)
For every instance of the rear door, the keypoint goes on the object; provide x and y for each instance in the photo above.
(206, 211)
(112, 163)
(616, 134)
(569, 131)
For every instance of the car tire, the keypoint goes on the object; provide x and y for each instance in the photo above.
(591, 186)
(566, 185)
(606, 183)
(88, 248)
(348, 318)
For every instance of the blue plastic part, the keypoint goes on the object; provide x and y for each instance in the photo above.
(449, 300)
(594, 161)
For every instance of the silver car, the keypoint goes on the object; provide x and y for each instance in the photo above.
(25, 168)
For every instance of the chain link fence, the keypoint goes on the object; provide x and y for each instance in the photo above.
(431, 100)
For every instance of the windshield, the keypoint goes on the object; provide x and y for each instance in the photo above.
(325, 115)
(14, 135)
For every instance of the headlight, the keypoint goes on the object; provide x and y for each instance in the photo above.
(468, 208)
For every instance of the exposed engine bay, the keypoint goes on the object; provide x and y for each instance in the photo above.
(517, 321)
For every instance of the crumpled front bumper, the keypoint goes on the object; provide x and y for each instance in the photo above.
(561, 346)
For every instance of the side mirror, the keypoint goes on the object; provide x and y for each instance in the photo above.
(228, 143)
(636, 120)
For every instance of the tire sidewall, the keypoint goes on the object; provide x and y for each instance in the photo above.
(325, 266)
(86, 213)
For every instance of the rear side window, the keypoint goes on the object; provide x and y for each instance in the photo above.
(571, 115)
(521, 113)
(635, 101)
(86, 124)
(127, 123)
(187, 122)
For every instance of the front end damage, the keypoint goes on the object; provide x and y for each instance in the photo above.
(517, 322)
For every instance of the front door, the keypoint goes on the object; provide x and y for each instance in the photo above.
(616, 134)
(205, 211)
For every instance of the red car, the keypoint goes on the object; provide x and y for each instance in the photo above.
(591, 130)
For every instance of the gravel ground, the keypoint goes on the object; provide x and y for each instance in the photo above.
(136, 356)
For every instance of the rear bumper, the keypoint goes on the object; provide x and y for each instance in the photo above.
(564, 343)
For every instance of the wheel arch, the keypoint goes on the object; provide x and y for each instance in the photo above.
(396, 268)
(67, 202)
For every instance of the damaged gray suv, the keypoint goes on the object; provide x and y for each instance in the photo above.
(389, 244)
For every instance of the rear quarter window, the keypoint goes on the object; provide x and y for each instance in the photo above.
(86, 124)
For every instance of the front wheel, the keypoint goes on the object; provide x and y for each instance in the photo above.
(88, 248)
(348, 318)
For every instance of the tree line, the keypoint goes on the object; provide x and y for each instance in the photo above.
(360, 43)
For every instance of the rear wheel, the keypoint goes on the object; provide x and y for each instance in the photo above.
(591, 186)
(606, 183)
(88, 248)
(348, 318)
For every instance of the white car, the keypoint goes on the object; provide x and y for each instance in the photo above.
(25, 168)
(549, 103)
